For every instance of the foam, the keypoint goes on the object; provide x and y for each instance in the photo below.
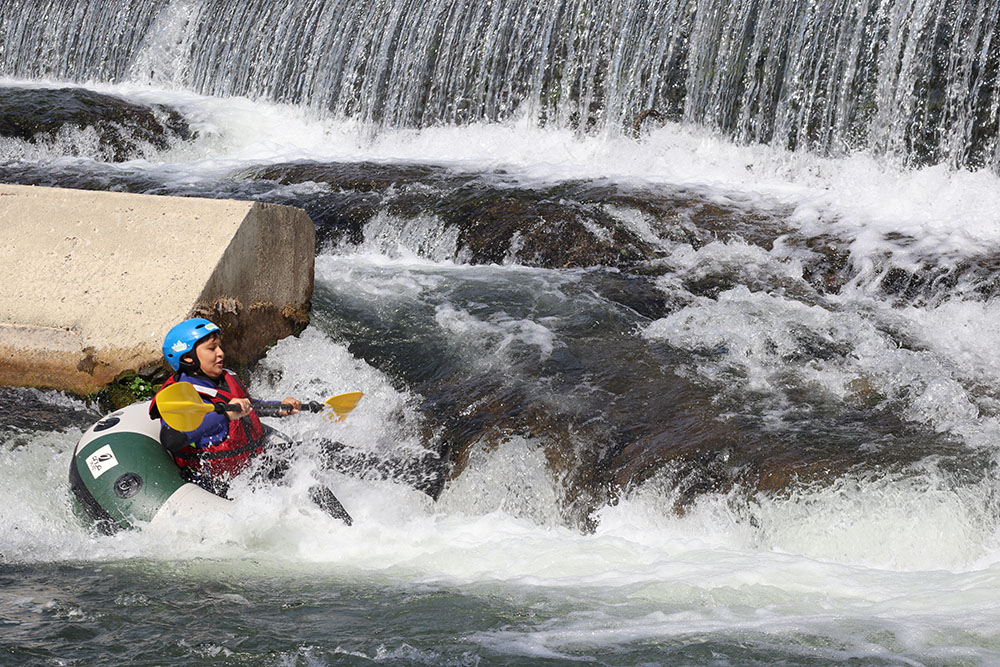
(948, 212)
(912, 553)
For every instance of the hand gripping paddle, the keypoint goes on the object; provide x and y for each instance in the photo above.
(182, 407)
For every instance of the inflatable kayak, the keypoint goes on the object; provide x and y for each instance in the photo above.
(122, 476)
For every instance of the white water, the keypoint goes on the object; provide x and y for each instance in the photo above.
(949, 211)
(917, 563)
(902, 567)
(913, 78)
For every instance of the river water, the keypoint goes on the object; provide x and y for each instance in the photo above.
(703, 399)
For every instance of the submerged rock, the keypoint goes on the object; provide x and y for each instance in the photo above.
(30, 410)
(610, 410)
(497, 220)
(121, 130)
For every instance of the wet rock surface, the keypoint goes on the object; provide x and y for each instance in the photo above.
(567, 225)
(610, 410)
(29, 410)
(121, 130)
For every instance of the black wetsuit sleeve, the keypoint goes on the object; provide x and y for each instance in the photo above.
(173, 441)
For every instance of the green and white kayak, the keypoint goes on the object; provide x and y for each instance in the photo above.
(123, 478)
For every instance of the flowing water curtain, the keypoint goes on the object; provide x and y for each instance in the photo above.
(782, 70)
(75, 40)
(947, 85)
(165, 55)
(416, 63)
(395, 63)
(912, 79)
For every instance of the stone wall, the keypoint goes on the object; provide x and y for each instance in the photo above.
(90, 282)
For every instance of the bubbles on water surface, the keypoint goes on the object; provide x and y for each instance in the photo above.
(755, 330)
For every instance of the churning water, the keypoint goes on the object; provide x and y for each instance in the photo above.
(723, 394)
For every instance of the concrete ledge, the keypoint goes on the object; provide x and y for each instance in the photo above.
(92, 281)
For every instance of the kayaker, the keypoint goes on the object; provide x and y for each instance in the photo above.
(225, 444)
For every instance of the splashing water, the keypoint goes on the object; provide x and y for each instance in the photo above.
(768, 437)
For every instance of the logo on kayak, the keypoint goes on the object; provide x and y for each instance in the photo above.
(128, 485)
(101, 461)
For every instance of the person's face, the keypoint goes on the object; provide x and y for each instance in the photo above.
(210, 356)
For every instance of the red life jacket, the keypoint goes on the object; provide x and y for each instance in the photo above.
(224, 460)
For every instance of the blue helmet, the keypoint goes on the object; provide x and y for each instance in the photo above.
(182, 338)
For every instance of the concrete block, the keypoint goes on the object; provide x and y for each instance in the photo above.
(90, 282)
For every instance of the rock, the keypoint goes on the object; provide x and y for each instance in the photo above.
(566, 225)
(91, 291)
(124, 130)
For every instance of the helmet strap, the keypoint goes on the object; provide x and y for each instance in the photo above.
(189, 367)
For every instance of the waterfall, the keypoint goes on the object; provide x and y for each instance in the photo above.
(914, 80)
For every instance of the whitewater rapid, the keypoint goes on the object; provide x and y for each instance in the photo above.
(900, 565)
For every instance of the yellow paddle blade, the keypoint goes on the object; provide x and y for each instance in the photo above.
(342, 404)
(181, 406)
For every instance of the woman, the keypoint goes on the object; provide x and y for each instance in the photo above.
(225, 443)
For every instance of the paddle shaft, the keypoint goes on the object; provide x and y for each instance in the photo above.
(271, 408)
(184, 409)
